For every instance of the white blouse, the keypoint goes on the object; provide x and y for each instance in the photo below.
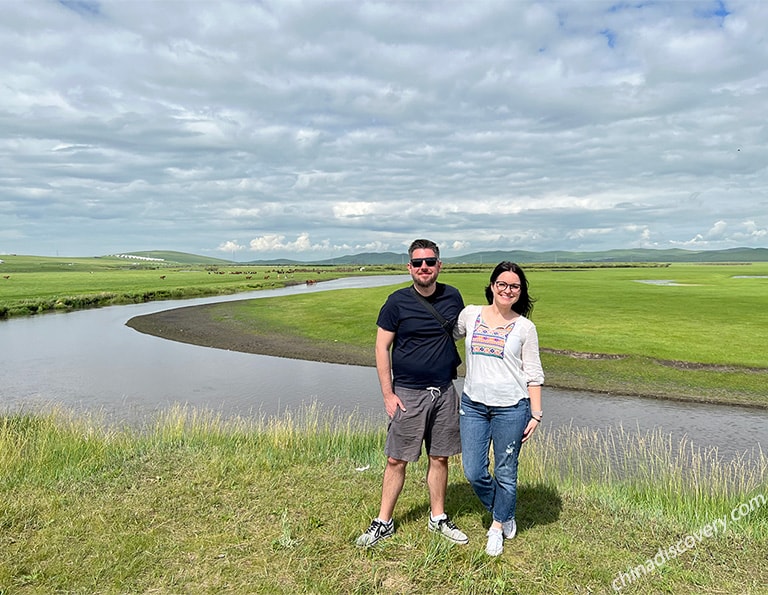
(502, 361)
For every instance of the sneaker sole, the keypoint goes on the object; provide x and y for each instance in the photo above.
(457, 542)
(449, 538)
(366, 544)
(372, 543)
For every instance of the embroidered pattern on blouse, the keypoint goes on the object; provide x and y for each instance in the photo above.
(489, 341)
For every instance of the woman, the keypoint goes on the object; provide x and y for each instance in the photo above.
(501, 403)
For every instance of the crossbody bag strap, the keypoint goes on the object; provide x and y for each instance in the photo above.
(447, 327)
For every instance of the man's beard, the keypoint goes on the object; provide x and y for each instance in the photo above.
(425, 282)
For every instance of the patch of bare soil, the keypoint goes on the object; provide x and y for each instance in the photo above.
(198, 326)
(680, 365)
(582, 354)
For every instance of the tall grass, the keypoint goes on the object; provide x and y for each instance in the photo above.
(57, 446)
(650, 469)
(195, 503)
(308, 434)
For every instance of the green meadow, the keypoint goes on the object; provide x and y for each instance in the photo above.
(192, 503)
(35, 285)
(689, 332)
(696, 332)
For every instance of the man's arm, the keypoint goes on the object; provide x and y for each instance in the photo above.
(384, 340)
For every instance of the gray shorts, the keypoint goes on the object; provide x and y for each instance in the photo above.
(431, 417)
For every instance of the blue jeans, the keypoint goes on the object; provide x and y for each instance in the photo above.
(504, 426)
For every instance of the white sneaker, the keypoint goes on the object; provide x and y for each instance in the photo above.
(446, 527)
(376, 532)
(509, 528)
(495, 542)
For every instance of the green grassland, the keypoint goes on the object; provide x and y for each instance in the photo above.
(704, 338)
(695, 332)
(192, 503)
(33, 284)
(195, 504)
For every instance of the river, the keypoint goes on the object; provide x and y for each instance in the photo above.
(89, 361)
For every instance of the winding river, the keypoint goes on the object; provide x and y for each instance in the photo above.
(89, 361)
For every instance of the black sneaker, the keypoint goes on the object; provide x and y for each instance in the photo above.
(377, 531)
(448, 529)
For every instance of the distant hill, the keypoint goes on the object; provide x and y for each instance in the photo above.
(522, 256)
(636, 255)
(489, 257)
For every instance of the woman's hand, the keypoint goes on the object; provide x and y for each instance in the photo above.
(530, 428)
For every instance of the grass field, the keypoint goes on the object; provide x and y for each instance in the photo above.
(703, 337)
(197, 505)
(34, 285)
(683, 331)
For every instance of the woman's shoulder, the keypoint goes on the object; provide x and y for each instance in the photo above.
(471, 310)
(525, 322)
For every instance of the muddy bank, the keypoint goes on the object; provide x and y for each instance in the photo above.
(212, 326)
(215, 325)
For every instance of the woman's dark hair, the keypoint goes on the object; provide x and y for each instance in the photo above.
(524, 304)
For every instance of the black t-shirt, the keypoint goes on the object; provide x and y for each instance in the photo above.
(422, 353)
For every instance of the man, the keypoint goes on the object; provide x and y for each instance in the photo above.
(416, 360)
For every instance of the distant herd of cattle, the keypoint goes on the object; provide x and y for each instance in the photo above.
(247, 275)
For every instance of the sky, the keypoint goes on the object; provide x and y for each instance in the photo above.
(298, 129)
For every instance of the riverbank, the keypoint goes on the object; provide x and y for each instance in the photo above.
(223, 326)
(215, 325)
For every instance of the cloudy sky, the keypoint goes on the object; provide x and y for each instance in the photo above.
(314, 129)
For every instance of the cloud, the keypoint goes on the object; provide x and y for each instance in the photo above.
(304, 129)
(273, 243)
(230, 247)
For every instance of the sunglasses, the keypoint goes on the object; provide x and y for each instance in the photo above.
(417, 262)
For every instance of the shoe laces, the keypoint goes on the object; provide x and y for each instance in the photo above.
(377, 525)
(447, 522)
